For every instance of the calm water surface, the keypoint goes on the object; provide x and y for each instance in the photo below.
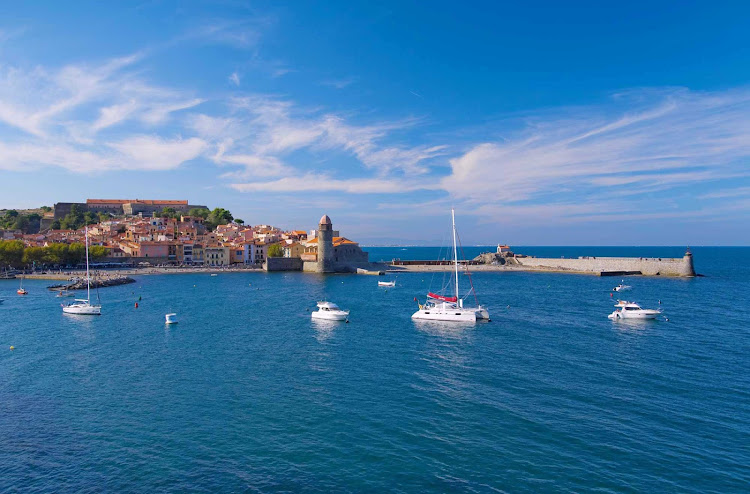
(247, 393)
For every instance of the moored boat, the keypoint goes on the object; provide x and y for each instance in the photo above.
(631, 310)
(330, 312)
(81, 306)
(440, 307)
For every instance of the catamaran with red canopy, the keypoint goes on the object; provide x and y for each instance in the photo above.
(446, 308)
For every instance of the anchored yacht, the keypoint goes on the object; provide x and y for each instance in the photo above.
(330, 312)
(631, 310)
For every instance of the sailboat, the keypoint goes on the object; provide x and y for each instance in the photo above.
(81, 306)
(21, 290)
(446, 308)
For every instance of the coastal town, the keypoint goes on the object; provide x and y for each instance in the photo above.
(143, 233)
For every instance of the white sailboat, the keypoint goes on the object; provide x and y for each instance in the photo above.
(21, 290)
(444, 308)
(81, 306)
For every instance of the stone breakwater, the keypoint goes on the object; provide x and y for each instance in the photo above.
(600, 266)
(80, 284)
(647, 266)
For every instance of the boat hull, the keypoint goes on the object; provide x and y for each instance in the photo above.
(635, 315)
(455, 315)
(90, 310)
(331, 315)
(386, 283)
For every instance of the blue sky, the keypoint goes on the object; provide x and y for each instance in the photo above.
(552, 123)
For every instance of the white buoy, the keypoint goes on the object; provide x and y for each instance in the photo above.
(171, 318)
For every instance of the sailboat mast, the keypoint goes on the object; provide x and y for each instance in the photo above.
(455, 255)
(88, 279)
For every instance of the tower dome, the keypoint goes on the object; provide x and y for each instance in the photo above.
(325, 220)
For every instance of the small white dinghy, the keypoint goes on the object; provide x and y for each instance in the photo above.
(330, 312)
(622, 287)
(170, 318)
(386, 283)
(631, 310)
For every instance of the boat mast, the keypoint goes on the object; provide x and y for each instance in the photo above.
(88, 279)
(455, 256)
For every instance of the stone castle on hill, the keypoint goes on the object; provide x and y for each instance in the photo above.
(120, 207)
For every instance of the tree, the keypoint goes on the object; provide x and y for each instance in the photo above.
(11, 253)
(75, 254)
(34, 255)
(275, 250)
(199, 213)
(97, 251)
(56, 253)
(168, 212)
(55, 225)
(239, 221)
(46, 209)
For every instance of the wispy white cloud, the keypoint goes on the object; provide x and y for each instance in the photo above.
(234, 78)
(664, 140)
(324, 183)
(339, 83)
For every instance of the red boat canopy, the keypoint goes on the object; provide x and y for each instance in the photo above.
(442, 297)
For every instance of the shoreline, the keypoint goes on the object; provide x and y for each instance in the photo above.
(113, 273)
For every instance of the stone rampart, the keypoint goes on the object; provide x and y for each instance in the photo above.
(649, 266)
(283, 264)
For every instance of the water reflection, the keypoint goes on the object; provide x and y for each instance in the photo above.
(445, 329)
(324, 329)
(634, 324)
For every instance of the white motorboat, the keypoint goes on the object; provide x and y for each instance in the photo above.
(386, 283)
(170, 318)
(80, 306)
(330, 312)
(446, 308)
(631, 310)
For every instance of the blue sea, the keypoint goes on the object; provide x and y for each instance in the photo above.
(248, 394)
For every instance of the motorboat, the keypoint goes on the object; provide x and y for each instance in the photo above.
(631, 310)
(386, 283)
(330, 312)
(64, 293)
(622, 287)
(80, 306)
(440, 307)
(170, 318)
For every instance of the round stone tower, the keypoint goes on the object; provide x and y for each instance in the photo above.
(687, 265)
(325, 245)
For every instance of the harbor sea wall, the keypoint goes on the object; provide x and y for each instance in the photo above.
(649, 266)
(283, 264)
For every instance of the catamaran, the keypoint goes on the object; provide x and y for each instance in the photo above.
(446, 308)
(81, 306)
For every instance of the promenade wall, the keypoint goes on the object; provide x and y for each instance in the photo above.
(649, 266)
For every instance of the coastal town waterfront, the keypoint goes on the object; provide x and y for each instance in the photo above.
(550, 393)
